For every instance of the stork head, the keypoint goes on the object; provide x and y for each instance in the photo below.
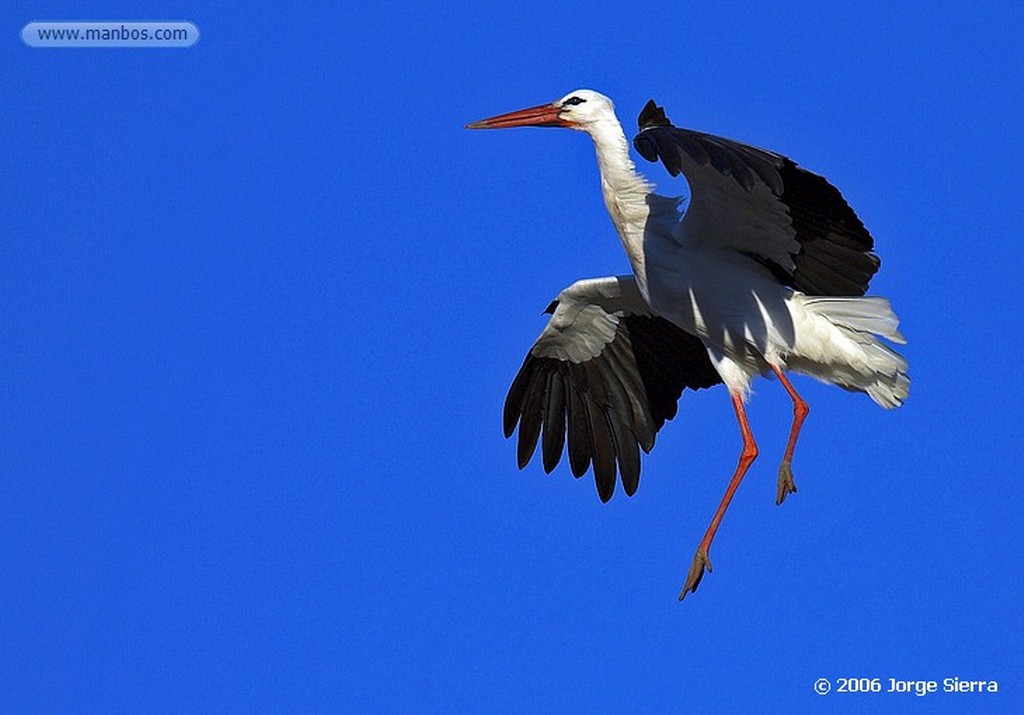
(580, 110)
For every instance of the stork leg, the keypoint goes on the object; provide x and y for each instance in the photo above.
(800, 411)
(747, 457)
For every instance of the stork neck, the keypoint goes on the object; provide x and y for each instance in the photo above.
(625, 191)
(618, 173)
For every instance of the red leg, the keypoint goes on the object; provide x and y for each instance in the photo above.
(747, 456)
(800, 411)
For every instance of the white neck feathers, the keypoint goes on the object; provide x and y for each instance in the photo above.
(628, 196)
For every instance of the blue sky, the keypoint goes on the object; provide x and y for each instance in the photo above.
(260, 301)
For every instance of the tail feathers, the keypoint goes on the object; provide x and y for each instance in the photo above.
(867, 315)
(890, 391)
(858, 359)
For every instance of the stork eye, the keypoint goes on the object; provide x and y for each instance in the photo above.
(573, 101)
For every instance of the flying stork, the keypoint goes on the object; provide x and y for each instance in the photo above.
(764, 272)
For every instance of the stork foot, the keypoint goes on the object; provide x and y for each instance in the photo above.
(700, 561)
(786, 484)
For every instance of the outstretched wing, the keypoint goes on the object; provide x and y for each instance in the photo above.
(606, 373)
(762, 204)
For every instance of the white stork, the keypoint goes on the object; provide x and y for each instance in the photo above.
(764, 272)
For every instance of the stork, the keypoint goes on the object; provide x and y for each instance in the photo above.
(763, 273)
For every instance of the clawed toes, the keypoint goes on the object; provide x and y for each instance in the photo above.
(700, 561)
(786, 484)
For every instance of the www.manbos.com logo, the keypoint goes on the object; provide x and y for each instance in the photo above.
(110, 34)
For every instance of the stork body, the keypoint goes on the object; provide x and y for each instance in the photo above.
(730, 275)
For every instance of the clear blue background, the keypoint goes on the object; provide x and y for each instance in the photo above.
(260, 301)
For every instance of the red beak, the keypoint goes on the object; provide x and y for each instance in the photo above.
(545, 115)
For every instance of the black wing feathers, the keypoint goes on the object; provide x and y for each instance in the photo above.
(835, 256)
(670, 360)
(607, 409)
(554, 419)
(532, 415)
(659, 139)
(578, 423)
(834, 245)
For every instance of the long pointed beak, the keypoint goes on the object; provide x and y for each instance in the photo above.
(544, 115)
